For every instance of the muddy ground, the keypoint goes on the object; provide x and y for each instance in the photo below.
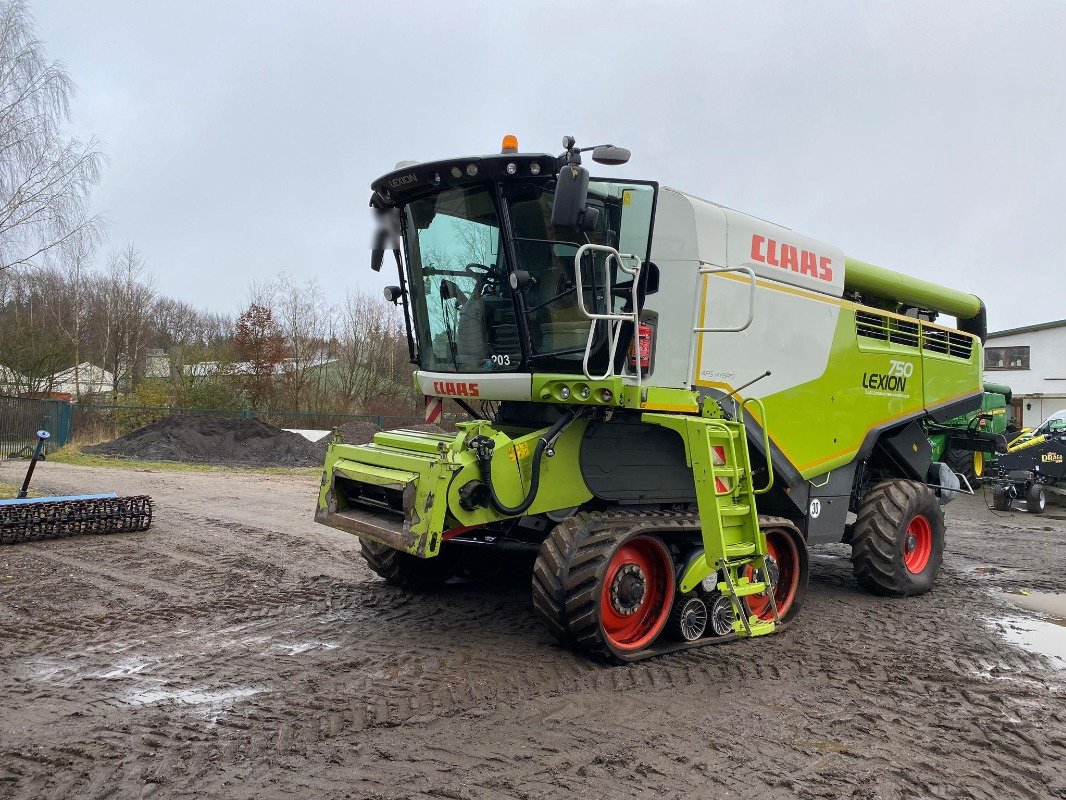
(239, 650)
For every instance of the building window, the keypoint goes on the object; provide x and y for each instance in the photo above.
(1007, 357)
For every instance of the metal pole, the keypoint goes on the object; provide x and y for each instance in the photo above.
(42, 436)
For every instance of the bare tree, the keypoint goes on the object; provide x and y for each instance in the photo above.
(68, 296)
(301, 311)
(128, 301)
(45, 177)
(372, 363)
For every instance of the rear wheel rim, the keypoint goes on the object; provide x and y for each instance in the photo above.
(637, 593)
(782, 548)
(918, 544)
(978, 464)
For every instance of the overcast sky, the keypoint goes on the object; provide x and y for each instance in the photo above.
(243, 137)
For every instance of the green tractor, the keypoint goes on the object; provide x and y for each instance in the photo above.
(954, 445)
(670, 401)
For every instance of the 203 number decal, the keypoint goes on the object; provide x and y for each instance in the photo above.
(903, 369)
(502, 360)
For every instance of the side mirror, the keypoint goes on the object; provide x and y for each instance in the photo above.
(571, 194)
(610, 155)
(377, 252)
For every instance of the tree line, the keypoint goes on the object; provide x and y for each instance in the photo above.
(291, 349)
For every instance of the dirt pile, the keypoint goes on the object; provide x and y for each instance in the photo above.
(356, 432)
(206, 439)
(363, 432)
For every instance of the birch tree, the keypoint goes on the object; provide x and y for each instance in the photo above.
(45, 176)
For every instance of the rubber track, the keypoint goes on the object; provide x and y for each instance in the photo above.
(58, 519)
(406, 571)
(566, 575)
(875, 555)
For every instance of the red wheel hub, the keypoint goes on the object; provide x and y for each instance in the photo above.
(918, 544)
(783, 550)
(637, 593)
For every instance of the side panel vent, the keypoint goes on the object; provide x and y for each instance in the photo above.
(887, 329)
(893, 330)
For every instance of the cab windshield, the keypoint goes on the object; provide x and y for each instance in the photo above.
(465, 312)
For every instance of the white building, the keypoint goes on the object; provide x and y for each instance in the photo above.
(1032, 362)
(86, 379)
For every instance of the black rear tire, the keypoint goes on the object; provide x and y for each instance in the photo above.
(1001, 500)
(964, 461)
(407, 571)
(1036, 499)
(898, 523)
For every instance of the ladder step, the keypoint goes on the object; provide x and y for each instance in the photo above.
(735, 510)
(758, 627)
(736, 550)
(743, 589)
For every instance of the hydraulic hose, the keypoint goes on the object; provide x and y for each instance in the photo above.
(483, 447)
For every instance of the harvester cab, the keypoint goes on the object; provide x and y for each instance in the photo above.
(669, 401)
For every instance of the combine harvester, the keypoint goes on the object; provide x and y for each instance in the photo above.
(954, 442)
(31, 519)
(672, 399)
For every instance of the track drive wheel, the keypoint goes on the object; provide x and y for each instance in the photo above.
(607, 590)
(788, 564)
(407, 571)
(898, 539)
(970, 464)
(1036, 499)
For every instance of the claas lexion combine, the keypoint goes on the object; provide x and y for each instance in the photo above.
(670, 402)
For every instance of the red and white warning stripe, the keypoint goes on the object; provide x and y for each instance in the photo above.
(721, 486)
(434, 408)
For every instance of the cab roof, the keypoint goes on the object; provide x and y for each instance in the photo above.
(407, 183)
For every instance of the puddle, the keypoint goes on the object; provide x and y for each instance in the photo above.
(206, 703)
(1045, 631)
(124, 669)
(1051, 603)
(193, 697)
(304, 647)
(1037, 636)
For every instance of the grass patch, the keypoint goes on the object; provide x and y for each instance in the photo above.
(73, 454)
(8, 490)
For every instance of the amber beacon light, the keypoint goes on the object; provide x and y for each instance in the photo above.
(510, 144)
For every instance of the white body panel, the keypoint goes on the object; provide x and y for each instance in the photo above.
(795, 307)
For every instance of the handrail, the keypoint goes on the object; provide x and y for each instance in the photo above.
(765, 443)
(613, 335)
(709, 269)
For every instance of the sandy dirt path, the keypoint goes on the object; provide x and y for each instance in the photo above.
(239, 650)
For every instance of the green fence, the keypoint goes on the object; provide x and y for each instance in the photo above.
(22, 417)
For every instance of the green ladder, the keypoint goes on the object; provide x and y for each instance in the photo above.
(734, 547)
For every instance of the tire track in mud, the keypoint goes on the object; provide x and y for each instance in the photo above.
(370, 692)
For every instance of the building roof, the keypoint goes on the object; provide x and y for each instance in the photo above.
(1042, 326)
